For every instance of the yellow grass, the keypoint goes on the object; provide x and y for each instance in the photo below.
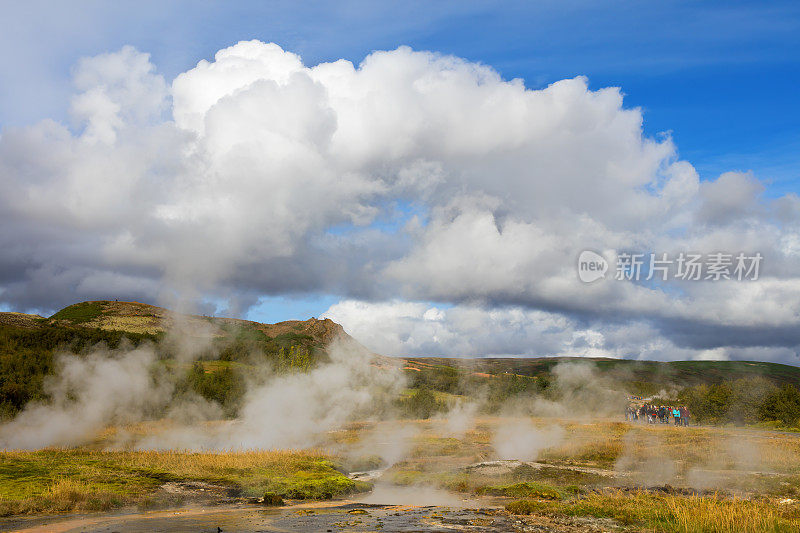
(671, 513)
(728, 516)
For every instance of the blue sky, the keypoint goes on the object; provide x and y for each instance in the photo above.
(721, 77)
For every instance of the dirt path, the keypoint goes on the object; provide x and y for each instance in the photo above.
(117, 522)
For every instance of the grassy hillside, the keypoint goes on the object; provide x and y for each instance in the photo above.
(232, 348)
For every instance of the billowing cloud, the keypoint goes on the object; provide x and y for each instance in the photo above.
(411, 177)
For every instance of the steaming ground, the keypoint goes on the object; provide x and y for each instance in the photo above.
(423, 478)
(343, 436)
(89, 393)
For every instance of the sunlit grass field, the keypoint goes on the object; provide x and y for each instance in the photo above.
(659, 512)
(652, 478)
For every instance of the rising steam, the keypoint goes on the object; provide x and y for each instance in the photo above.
(125, 386)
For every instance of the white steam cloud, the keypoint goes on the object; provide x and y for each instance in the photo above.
(89, 393)
(522, 440)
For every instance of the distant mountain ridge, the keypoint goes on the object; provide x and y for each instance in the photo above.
(655, 373)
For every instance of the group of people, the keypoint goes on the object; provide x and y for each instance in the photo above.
(658, 414)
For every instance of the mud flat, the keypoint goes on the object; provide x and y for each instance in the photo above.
(327, 517)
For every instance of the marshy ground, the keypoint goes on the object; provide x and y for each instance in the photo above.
(589, 475)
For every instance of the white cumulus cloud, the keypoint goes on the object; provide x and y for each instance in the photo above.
(255, 174)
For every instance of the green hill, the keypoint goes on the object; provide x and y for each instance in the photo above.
(738, 392)
(233, 347)
(650, 375)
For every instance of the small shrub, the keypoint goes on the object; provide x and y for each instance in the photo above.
(524, 490)
(422, 403)
(270, 498)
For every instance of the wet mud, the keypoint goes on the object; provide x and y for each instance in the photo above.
(330, 517)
